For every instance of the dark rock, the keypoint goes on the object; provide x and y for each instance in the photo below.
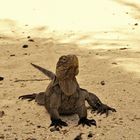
(79, 137)
(54, 129)
(2, 137)
(38, 126)
(25, 46)
(2, 114)
(1, 78)
(31, 40)
(102, 82)
(28, 37)
(123, 48)
(25, 54)
(12, 55)
(90, 135)
(114, 63)
(18, 108)
(132, 120)
(136, 24)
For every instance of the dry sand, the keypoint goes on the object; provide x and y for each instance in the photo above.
(110, 55)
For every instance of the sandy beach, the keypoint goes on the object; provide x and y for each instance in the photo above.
(110, 54)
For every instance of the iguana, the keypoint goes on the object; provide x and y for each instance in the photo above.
(64, 96)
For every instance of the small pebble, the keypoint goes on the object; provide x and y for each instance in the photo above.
(25, 54)
(79, 137)
(120, 118)
(102, 82)
(1, 78)
(31, 40)
(1, 137)
(136, 24)
(114, 63)
(54, 129)
(18, 109)
(1, 114)
(90, 135)
(25, 46)
(38, 126)
(12, 55)
(102, 134)
(123, 48)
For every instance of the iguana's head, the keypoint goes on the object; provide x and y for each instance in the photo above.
(67, 67)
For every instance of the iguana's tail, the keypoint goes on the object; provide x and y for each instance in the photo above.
(38, 97)
(48, 73)
(30, 97)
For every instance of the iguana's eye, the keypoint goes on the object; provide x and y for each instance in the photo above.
(63, 59)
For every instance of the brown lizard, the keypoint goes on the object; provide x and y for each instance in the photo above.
(64, 96)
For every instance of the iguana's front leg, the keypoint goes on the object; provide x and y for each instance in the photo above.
(56, 121)
(52, 104)
(95, 103)
(82, 113)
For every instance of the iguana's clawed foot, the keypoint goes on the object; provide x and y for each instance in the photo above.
(30, 97)
(104, 109)
(58, 123)
(86, 121)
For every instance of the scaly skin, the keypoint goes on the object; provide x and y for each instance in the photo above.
(64, 96)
